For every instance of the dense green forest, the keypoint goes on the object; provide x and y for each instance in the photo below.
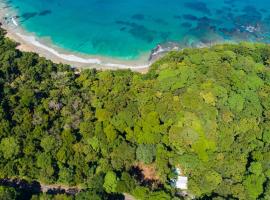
(205, 111)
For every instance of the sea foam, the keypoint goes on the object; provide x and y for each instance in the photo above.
(14, 21)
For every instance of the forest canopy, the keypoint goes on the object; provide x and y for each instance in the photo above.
(205, 111)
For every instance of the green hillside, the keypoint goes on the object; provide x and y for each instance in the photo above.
(205, 111)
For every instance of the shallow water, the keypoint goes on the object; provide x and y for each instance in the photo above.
(127, 29)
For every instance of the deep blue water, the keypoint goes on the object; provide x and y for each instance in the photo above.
(127, 28)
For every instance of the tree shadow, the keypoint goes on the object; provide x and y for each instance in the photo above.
(137, 173)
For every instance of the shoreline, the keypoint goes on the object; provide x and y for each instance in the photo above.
(27, 42)
(44, 47)
(31, 44)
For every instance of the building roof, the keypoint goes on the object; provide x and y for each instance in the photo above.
(182, 182)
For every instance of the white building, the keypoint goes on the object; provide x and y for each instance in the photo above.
(182, 181)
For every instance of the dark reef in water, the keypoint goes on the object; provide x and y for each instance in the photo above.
(45, 12)
(29, 15)
(198, 6)
(247, 23)
(228, 22)
(190, 17)
(141, 31)
(186, 25)
(138, 31)
(138, 17)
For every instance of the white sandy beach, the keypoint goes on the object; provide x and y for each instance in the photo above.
(29, 43)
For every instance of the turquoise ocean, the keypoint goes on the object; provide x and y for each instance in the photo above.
(126, 29)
